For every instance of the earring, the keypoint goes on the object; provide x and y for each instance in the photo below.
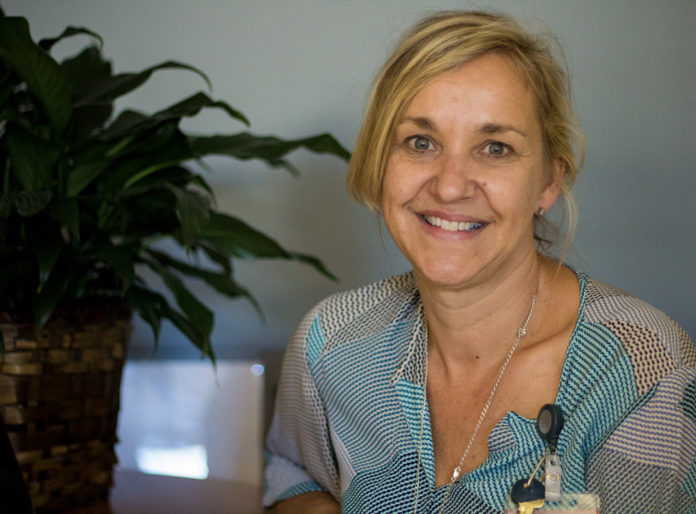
(541, 211)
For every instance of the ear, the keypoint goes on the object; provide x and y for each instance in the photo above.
(552, 189)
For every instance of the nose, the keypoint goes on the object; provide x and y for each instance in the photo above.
(455, 179)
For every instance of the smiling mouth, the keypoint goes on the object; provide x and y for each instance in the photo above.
(453, 226)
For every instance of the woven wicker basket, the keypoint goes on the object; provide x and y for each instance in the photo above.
(59, 398)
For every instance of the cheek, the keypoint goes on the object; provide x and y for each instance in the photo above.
(395, 186)
(404, 181)
(389, 200)
(393, 220)
(508, 196)
(387, 180)
(388, 194)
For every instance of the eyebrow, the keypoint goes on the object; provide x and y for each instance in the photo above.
(494, 128)
(487, 128)
(424, 123)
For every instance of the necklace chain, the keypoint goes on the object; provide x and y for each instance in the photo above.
(521, 332)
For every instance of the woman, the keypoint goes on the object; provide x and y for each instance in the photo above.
(420, 393)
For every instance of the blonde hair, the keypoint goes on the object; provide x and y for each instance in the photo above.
(440, 43)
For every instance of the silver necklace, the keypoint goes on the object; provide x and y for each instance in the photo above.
(521, 332)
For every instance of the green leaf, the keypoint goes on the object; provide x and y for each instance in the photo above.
(86, 70)
(197, 180)
(218, 257)
(83, 175)
(166, 149)
(48, 43)
(93, 161)
(124, 124)
(190, 330)
(121, 146)
(47, 247)
(270, 149)
(152, 307)
(148, 305)
(129, 121)
(193, 105)
(167, 162)
(52, 292)
(6, 88)
(221, 281)
(193, 212)
(86, 120)
(120, 259)
(177, 176)
(201, 317)
(149, 170)
(67, 212)
(234, 237)
(118, 85)
(30, 203)
(145, 216)
(315, 263)
(32, 158)
(43, 76)
(27, 203)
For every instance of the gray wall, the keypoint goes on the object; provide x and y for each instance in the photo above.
(301, 67)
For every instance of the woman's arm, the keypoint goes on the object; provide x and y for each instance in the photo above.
(654, 442)
(315, 503)
(299, 453)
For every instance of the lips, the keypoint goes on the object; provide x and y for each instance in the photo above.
(453, 226)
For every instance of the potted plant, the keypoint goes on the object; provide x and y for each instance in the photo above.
(86, 197)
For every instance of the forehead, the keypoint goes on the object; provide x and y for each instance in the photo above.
(489, 86)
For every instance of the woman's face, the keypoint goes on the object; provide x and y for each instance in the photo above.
(466, 174)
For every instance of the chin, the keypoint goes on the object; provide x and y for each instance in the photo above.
(447, 277)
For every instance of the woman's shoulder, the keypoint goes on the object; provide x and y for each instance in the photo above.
(378, 302)
(647, 334)
(365, 297)
(612, 306)
(646, 408)
(359, 312)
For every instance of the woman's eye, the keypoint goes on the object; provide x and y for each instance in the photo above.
(420, 143)
(497, 149)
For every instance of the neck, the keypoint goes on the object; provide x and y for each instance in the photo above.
(473, 328)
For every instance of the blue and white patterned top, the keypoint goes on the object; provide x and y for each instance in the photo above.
(349, 403)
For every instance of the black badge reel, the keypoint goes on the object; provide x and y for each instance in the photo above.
(549, 424)
(530, 493)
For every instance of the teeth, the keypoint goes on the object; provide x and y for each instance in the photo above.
(452, 226)
(433, 220)
(449, 225)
